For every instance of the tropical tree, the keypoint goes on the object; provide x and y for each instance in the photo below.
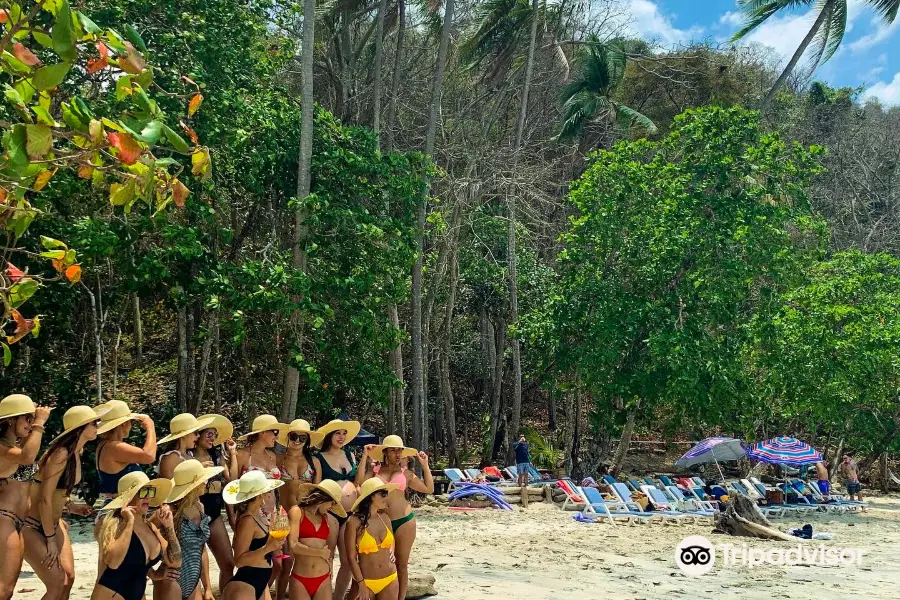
(588, 97)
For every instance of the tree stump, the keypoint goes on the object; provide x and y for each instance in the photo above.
(742, 517)
(421, 585)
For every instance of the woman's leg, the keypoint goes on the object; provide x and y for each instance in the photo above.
(238, 590)
(405, 536)
(54, 577)
(166, 589)
(298, 591)
(276, 571)
(222, 552)
(287, 565)
(11, 549)
(390, 592)
(344, 575)
(66, 559)
(324, 592)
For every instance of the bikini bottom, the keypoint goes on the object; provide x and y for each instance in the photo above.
(376, 585)
(312, 584)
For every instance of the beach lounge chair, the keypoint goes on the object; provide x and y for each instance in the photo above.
(456, 477)
(649, 480)
(750, 490)
(473, 474)
(575, 499)
(612, 509)
(660, 502)
(634, 484)
(785, 509)
(834, 502)
(666, 481)
(690, 505)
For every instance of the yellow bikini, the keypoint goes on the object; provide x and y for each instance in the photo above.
(368, 545)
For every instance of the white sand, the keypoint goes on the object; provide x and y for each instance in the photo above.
(541, 553)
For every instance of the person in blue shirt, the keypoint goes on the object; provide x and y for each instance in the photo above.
(523, 460)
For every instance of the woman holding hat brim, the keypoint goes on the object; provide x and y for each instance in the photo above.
(253, 548)
(116, 457)
(215, 448)
(335, 462)
(370, 541)
(130, 546)
(21, 430)
(184, 431)
(48, 548)
(313, 538)
(393, 457)
(296, 466)
(191, 527)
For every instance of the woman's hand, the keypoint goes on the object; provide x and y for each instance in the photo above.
(146, 422)
(164, 516)
(230, 446)
(128, 515)
(208, 463)
(423, 459)
(368, 449)
(41, 414)
(52, 558)
(79, 509)
(273, 544)
(363, 593)
(208, 595)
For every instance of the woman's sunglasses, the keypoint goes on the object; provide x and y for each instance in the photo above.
(147, 492)
(297, 437)
(383, 493)
(210, 433)
(274, 431)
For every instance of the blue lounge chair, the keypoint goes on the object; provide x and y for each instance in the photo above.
(611, 509)
(690, 505)
(663, 507)
(456, 477)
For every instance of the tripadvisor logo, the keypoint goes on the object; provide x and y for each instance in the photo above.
(695, 555)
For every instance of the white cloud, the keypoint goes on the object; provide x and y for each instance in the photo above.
(886, 93)
(648, 21)
(881, 33)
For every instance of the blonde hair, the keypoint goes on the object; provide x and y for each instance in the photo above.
(178, 508)
(110, 528)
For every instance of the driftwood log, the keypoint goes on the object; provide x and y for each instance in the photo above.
(742, 517)
(421, 585)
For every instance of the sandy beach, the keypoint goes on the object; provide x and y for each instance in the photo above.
(542, 553)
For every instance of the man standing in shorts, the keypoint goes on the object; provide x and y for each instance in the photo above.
(850, 471)
(822, 476)
(523, 460)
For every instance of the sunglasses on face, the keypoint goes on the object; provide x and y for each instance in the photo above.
(274, 431)
(383, 493)
(297, 437)
(210, 433)
(147, 492)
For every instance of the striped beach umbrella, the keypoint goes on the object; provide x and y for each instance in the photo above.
(784, 451)
(712, 449)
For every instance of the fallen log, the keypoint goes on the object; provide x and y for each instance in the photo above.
(742, 517)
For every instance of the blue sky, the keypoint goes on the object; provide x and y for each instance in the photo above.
(868, 55)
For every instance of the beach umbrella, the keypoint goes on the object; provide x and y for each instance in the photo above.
(713, 449)
(784, 451)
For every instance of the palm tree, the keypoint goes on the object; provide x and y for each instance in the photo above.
(588, 97)
(826, 32)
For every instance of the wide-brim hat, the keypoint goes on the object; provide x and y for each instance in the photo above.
(132, 483)
(265, 423)
(224, 428)
(371, 486)
(330, 487)
(352, 427)
(249, 486)
(188, 476)
(112, 414)
(16, 405)
(183, 424)
(391, 441)
(75, 417)
(300, 426)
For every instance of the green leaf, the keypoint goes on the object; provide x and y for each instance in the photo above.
(7, 354)
(15, 63)
(36, 330)
(176, 141)
(135, 38)
(13, 97)
(115, 42)
(120, 195)
(88, 25)
(51, 244)
(20, 221)
(21, 291)
(39, 141)
(123, 87)
(15, 141)
(141, 98)
(151, 132)
(71, 119)
(26, 90)
(63, 34)
(54, 254)
(51, 76)
(145, 79)
(44, 116)
(42, 38)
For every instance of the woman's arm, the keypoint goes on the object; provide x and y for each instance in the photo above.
(167, 465)
(366, 468)
(114, 552)
(204, 573)
(317, 467)
(166, 533)
(32, 445)
(353, 557)
(50, 474)
(243, 556)
(295, 515)
(426, 487)
(231, 465)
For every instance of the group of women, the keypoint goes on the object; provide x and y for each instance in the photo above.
(290, 507)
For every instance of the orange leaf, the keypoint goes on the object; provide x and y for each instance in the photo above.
(73, 274)
(191, 133)
(4, 15)
(194, 104)
(3, 194)
(134, 62)
(129, 150)
(23, 327)
(43, 178)
(14, 272)
(25, 55)
(180, 194)
(98, 64)
(85, 171)
(58, 264)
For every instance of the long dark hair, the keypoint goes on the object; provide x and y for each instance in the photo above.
(67, 442)
(327, 442)
(314, 498)
(6, 424)
(362, 513)
(306, 451)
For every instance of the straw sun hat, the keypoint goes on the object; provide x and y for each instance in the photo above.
(183, 424)
(265, 423)
(75, 417)
(369, 487)
(391, 441)
(352, 428)
(132, 483)
(224, 428)
(300, 426)
(331, 488)
(188, 476)
(16, 405)
(249, 486)
(112, 414)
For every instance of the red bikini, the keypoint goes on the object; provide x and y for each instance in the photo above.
(309, 531)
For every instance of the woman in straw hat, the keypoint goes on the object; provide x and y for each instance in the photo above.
(184, 431)
(371, 543)
(116, 457)
(130, 545)
(215, 448)
(296, 466)
(48, 548)
(388, 462)
(335, 462)
(312, 540)
(192, 528)
(253, 548)
(21, 429)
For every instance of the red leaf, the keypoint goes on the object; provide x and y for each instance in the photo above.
(191, 133)
(73, 274)
(23, 327)
(98, 64)
(194, 104)
(180, 194)
(14, 272)
(129, 150)
(25, 55)
(4, 15)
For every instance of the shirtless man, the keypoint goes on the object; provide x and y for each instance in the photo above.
(822, 476)
(850, 471)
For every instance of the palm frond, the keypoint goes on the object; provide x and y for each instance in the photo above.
(630, 117)
(759, 11)
(886, 8)
(579, 110)
(830, 35)
(499, 27)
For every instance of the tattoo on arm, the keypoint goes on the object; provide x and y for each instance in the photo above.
(173, 550)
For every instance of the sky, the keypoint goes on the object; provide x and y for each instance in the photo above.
(867, 57)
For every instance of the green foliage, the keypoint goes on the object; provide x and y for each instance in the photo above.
(544, 454)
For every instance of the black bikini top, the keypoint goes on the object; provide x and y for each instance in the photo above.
(257, 543)
(129, 580)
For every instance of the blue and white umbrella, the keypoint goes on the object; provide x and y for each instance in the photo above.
(713, 449)
(784, 451)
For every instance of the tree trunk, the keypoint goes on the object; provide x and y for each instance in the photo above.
(395, 80)
(569, 433)
(624, 441)
(181, 388)
(810, 35)
(138, 328)
(511, 237)
(379, 51)
(551, 407)
(420, 417)
(885, 475)
(98, 343)
(446, 389)
(576, 435)
(396, 357)
(216, 374)
(497, 391)
(291, 387)
(205, 354)
(836, 461)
